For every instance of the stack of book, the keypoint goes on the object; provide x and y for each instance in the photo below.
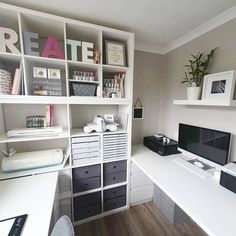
(5, 81)
(9, 86)
(18, 87)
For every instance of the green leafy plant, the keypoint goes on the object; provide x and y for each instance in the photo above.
(197, 68)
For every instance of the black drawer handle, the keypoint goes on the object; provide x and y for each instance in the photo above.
(86, 185)
(114, 192)
(86, 172)
(114, 167)
(114, 178)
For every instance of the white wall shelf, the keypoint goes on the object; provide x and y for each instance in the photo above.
(223, 103)
(17, 174)
(19, 99)
(5, 139)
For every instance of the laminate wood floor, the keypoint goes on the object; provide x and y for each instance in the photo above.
(141, 220)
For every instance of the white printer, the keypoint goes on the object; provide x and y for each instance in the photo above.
(228, 176)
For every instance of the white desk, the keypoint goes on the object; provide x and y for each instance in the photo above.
(210, 205)
(33, 195)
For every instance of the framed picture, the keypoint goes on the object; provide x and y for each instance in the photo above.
(138, 113)
(115, 53)
(40, 72)
(54, 73)
(138, 109)
(219, 86)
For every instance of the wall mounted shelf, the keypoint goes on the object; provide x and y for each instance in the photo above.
(222, 103)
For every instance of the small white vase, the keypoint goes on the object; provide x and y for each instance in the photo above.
(193, 93)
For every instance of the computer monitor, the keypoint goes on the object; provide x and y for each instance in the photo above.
(210, 144)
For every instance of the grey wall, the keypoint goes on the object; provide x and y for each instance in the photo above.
(221, 118)
(147, 86)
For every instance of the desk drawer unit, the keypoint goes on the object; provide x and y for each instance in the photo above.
(85, 148)
(86, 178)
(115, 146)
(114, 172)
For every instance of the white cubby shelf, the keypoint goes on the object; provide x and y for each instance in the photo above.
(23, 20)
(220, 103)
(71, 112)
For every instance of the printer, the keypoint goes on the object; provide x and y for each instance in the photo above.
(161, 145)
(228, 176)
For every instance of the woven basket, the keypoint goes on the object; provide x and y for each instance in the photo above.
(84, 89)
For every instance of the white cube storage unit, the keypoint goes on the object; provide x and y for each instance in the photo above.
(87, 174)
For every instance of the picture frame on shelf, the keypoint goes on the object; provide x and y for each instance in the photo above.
(40, 72)
(115, 53)
(54, 74)
(219, 86)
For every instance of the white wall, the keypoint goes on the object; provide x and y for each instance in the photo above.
(221, 118)
(147, 86)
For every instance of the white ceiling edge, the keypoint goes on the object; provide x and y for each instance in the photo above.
(149, 48)
(200, 30)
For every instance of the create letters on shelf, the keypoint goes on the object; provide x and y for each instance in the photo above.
(52, 47)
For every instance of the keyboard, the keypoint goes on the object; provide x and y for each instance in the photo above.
(192, 168)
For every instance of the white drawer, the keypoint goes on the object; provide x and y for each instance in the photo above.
(134, 169)
(85, 139)
(120, 150)
(85, 155)
(118, 156)
(85, 161)
(85, 145)
(114, 146)
(112, 136)
(83, 150)
(141, 194)
(139, 180)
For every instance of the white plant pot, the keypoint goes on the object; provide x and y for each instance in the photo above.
(194, 93)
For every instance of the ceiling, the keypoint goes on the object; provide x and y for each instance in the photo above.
(159, 25)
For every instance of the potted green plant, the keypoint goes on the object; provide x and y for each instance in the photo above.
(197, 69)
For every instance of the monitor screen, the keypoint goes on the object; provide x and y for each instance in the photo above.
(210, 144)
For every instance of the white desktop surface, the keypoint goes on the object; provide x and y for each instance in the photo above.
(209, 204)
(32, 195)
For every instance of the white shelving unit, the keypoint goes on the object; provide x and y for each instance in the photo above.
(71, 112)
(223, 103)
